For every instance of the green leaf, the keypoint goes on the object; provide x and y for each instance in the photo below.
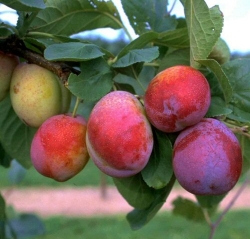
(221, 76)
(175, 38)
(2, 209)
(5, 159)
(2, 217)
(204, 27)
(137, 55)
(217, 108)
(158, 171)
(72, 51)
(5, 31)
(135, 191)
(15, 136)
(16, 172)
(188, 209)
(210, 201)
(25, 5)
(69, 17)
(178, 57)
(245, 149)
(139, 218)
(94, 82)
(149, 15)
(27, 226)
(238, 72)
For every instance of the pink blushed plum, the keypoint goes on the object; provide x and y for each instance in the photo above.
(207, 158)
(119, 137)
(58, 149)
(176, 98)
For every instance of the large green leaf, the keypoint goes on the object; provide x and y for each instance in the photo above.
(25, 5)
(204, 27)
(136, 192)
(72, 51)
(137, 55)
(177, 38)
(158, 171)
(222, 78)
(238, 72)
(94, 82)
(69, 17)
(15, 136)
(149, 15)
(140, 217)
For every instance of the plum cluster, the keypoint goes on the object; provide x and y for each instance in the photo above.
(118, 135)
(207, 156)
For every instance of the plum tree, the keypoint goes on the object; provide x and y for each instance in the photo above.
(58, 149)
(207, 158)
(37, 94)
(119, 136)
(177, 97)
(177, 67)
(7, 65)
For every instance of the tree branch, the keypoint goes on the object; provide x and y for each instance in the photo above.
(14, 45)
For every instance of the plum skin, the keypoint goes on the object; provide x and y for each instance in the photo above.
(58, 149)
(177, 97)
(207, 158)
(119, 137)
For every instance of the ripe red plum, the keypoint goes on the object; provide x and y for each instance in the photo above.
(207, 158)
(119, 136)
(58, 149)
(176, 98)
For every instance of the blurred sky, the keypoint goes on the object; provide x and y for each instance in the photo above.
(236, 21)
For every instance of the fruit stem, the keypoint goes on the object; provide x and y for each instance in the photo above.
(78, 101)
(243, 130)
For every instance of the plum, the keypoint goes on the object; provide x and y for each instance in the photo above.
(119, 137)
(58, 149)
(37, 94)
(207, 158)
(177, 97)
(7, 65)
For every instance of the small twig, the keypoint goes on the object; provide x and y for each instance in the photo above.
(213, 226)
(172, 7)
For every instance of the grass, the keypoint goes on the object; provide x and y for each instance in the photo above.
(89, 176)
(163, 226)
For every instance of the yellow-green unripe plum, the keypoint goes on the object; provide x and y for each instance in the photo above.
(176, 98)
(58, 149)
(37, 94)
(221, 52)
(119, 137)
(7, 65)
